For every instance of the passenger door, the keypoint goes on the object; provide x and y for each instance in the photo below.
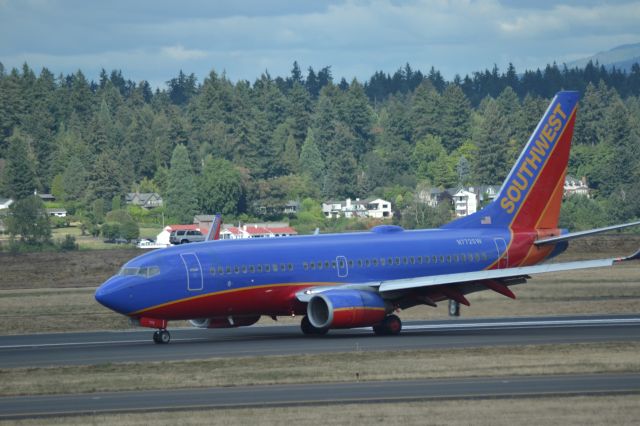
(194, 271)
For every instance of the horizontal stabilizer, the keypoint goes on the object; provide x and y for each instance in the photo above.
(580, 234)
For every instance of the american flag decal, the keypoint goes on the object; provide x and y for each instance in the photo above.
(485, 220)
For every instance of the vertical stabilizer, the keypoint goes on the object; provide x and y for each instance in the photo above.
(531, 196)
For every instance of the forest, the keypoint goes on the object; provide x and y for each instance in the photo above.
(242, 148)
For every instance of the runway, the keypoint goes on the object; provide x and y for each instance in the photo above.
(106, 347)
(324, 393)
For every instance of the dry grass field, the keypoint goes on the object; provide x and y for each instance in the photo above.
(552, 411)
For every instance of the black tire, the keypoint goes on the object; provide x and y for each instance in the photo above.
(184, 241)
(165, 336)
(156, 337)
(390, 326)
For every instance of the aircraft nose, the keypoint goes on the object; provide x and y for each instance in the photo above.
(111, 294)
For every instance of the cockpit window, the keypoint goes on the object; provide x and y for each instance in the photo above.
(146, 272)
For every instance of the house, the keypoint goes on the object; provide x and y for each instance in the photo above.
(379, 209)
(47, 197)
(573, 186)
(146, 200)
(5, 203)
(57, 212)
(486, 193)
(376, 208)
(292, 207)
(257, 230)
(465, 202)
(432, 196)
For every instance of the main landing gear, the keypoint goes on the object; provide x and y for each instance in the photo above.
(390, 326)
(161, 336)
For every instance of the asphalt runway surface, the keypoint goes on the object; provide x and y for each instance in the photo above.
(323, 393)
(38, 350)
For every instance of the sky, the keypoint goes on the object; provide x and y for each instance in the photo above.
(154, 39)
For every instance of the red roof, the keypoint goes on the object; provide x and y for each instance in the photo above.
(261, 230)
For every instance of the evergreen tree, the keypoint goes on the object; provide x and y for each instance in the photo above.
(74, 180)
(491, 166)
(455, 117)
(425, 111)
(181, 197)
(19, 180)
(106, 181)
(311, 163)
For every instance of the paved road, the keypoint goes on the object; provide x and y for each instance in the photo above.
(283, 395)
(103, 347)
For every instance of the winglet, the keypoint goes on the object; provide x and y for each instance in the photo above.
(634, 256)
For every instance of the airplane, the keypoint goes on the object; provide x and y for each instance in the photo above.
(337, 281)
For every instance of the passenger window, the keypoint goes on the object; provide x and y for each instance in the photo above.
(333, 264)
(463, 257)
(341, 262)
(390, 261)
(367, 263)
(360, 263)
(244, 269)
(259, 268)
(441, 259)
(312, 265)
(228, 269)
(252, 269)
(477, 257)
(220, 270)
(449, 259)
(305, 266)
(405, 260)
(267, 268)
(351, 264)
(382, 261)
(326, 264)
(456, 258)
(290, 266)
(397, 260)
(484, 256)
(212, 270)
(434, 259)
(236, 269)
(427, 259)
(412, 260)
(282, 268)
(419, 259)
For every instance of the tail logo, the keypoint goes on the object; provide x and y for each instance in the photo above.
(533, 160)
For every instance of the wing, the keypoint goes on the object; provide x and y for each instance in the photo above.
(455, 286)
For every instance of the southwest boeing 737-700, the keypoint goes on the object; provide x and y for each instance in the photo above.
(361, 279)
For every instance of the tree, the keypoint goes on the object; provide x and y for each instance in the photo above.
(220, 187)
(455, 117)
(19, 180)
(311, 163)
(425, 111)
(28, 219)
(181, 198)
(491, 162)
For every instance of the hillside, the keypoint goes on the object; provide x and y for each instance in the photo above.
(622, 57)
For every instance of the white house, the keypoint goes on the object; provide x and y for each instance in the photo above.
(379, 209)
(465, 202)
(57, 212)
(5, 203)
(573, 186)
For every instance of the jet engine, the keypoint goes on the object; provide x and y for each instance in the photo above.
(346, 309)
(227, 322)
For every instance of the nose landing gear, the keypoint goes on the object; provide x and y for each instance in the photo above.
(161, 336)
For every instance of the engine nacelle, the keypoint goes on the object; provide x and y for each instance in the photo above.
(228, 322)
(346, 309)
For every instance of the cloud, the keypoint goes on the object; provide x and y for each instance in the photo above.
(179, 53)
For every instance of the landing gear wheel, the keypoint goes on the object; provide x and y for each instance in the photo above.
(161, 336)
(308, 328)
(390, 326)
